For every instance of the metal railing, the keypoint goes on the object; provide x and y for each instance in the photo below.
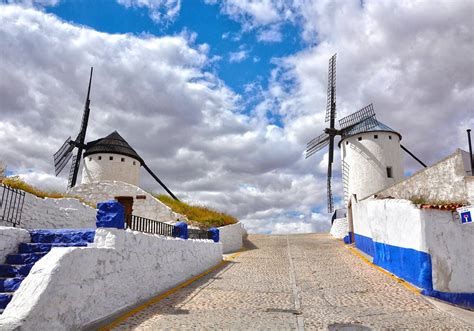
(147, 225)
(198, 234)
(11, 204)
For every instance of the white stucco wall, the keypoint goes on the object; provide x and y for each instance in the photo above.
(231, 237)
(447, 180)
(73, 287)
(149, 207)
(10, 238)
(99, 167)
(365, 163)
(47, 213)
(401, 223)
(339, 228)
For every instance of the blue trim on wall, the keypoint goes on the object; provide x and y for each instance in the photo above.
(347, 239)
(365, 244)
(409, 264)
(461, 299)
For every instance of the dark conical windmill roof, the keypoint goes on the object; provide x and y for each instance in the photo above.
(113, 143)
(369, 125)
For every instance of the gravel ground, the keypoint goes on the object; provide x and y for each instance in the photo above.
(294, 282)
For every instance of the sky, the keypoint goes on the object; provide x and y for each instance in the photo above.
(220, 97)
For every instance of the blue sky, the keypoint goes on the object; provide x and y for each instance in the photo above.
(221, 97)
(223, 35)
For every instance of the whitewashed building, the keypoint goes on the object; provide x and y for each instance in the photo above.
(112, 171)
(371, 160)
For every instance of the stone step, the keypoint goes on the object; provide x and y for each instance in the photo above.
(15, 270)
(24, 258)
(53, 236)
(10, 284)
(5, 298)
(44, 248)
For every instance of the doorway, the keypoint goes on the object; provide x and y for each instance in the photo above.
(127, 203)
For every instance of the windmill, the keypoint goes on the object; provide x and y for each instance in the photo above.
(64, 154)
(113, 143)
(362, 121)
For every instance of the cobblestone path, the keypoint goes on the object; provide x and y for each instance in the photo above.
(294, 282)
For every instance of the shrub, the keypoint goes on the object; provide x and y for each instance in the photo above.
(18, 183)
(201, 216)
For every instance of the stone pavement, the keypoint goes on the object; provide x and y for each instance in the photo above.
(294, 282)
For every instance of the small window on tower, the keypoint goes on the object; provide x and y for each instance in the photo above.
(376, 136)
(111, 158)
(90, 159)
(134, 162)
(389, 172)
(122, 159)
(100, 157)
(390, 137)
(360, 138)
(347, 142)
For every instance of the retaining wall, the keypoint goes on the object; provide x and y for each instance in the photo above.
(10, 238)
(447, 180)
(50, 213)
(339, 228)
(231, 237)
(144, 204)
(426, 247)
(73, 287)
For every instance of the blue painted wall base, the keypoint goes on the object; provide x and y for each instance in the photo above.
(465, 300)
(409, 264)
(365, 244)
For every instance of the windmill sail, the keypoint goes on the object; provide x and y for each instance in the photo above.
(317, 144)
(331, 97)
(62, 156)
(359, 116)
(81, 137)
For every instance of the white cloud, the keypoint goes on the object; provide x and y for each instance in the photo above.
(160, 10)
(409, 59)
(34, 2)
(238, 56)
(272, 34)
(183, 120)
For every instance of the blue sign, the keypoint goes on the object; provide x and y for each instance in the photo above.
(466, 217)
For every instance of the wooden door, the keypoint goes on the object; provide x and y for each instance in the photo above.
(127, 203)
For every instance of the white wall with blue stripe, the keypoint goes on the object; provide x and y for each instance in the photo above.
(426, 247)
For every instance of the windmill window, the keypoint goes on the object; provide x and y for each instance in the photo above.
(360, 138)
(90, 159)
(376, 136)
(100, 157)
(347, 142)
(134, 163)
(122, 159)
(111, 158)
(389, 172)
(390, 137)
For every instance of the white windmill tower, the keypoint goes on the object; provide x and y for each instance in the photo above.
(371, 151)
(108, 158)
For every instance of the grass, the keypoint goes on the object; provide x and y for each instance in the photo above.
(200, 216)
(18, 183)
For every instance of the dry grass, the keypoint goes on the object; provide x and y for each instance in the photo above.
(18, 183)
(200, 216)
